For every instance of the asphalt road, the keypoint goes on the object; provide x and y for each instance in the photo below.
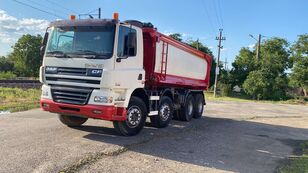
(231, 137)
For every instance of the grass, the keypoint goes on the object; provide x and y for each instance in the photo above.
(297, 164)
(243, 98)
(16, 99)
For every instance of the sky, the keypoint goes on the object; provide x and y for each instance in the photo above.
(194, 19)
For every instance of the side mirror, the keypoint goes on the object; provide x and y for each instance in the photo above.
(44, 42)
(42, 50)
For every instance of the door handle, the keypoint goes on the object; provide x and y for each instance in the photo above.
(140, 77)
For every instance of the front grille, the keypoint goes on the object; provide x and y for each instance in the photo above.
(71, 95)
(62, 79)
(72, 71)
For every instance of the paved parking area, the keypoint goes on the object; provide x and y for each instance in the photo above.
(231, 137)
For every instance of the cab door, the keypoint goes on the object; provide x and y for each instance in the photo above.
(129, 58)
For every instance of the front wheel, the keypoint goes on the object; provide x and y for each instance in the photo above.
(136, 116)
(72, 121)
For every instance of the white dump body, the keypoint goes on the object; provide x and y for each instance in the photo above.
(180, 62)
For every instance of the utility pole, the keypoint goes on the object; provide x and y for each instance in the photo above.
(220, 38)
(99, 13)
(258, 45)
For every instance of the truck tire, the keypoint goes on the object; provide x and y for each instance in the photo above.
(198, 105)
(165, 113)
(136, 116)
(72, 121)
(187, 111)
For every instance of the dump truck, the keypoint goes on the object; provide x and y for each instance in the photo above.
(122, 72)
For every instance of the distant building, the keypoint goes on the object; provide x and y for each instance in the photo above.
(237, 89)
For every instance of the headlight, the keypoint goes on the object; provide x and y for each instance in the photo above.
(103, 99)
(45, 92)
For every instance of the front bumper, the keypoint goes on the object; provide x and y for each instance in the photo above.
(91, 111)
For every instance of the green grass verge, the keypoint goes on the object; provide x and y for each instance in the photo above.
(297, 164)
(210, 96)
(16, 99)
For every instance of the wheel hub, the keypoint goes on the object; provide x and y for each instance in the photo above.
(133, 116)
(164, 112)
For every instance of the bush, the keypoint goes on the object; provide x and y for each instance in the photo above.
(226, 89)
(7, 75)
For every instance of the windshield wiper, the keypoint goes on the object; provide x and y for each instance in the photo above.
(88, 52)
(91, 54)
(58, 54)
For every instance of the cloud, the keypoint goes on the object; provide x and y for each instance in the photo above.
(224, 49)
(251, 46)
(184, 35)
(12, 28)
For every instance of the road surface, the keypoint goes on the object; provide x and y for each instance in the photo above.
(230, 137)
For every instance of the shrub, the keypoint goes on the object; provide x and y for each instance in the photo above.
(7, 75)
(226, 89)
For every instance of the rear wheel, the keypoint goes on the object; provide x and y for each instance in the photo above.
(136, 116)
(72, 121)
(165, 112)
(198, 105)
(188, 110)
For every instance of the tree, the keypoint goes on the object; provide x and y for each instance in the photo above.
(299, 75)
(269, 80)
(6, 64)
(176, 36)
(244, 63)
(26, 55)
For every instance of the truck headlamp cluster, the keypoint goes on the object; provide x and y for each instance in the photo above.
(103, 99)
(45, 93)
(51, 70)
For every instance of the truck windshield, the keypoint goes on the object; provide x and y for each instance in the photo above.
(81, 41)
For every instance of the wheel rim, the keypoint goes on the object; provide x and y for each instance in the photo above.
(190, 107)
(133, 116)
(164, 112)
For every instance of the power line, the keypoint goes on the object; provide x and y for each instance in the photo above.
(220, 13)
(208, 16)
(216, 14)
(61, 6)
(41, 10)
(91, 13)
(34, 2)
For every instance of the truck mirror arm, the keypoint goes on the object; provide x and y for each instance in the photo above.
(119, 59)
(44, 42)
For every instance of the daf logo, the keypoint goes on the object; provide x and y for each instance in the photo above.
(51, 70)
